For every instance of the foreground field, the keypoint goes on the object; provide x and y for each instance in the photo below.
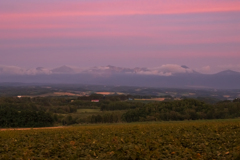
(176, 140)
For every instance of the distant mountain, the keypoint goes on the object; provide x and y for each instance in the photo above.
(164, 70)
(8, 70)
(174, 76)
(107, 69)
(227, 73)
(113, 70)
(63, 70)
(38, 70)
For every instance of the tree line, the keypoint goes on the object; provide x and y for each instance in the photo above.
(40, 112)
(12, 118)
(187, 109)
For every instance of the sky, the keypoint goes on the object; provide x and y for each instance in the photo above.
(201, 34)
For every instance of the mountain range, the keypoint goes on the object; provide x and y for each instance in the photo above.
(170, 75)
(164, 70)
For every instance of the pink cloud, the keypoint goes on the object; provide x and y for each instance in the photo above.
(93, 19)
(119, 7)
(35, 24)
(153, 35)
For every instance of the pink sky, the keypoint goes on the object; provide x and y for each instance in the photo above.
(199, 33)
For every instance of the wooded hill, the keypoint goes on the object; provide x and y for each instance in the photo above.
(47, 111)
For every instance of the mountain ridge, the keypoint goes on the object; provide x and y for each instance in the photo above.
(164, 70)
(227, 72)
(173, 76)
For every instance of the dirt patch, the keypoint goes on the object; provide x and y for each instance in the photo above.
(7, 129)
(105, 93)
(152, 99)
(158, 99)
(192, 94)
(226, 96)
(66, 94)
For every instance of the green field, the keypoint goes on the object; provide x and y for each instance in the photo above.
(162, 140)
(88, 110)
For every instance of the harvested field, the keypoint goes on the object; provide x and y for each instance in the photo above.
(109, 93)
(7, 129)
(105, 93)
(66, 94)
(152, 99)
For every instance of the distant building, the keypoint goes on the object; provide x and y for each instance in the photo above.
(19, 96)
(95, 100)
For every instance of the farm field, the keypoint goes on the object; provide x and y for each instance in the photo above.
(110, 93)
(88, 110)
(162, 140)
(56, 94)
(84, 113)
(152, 99)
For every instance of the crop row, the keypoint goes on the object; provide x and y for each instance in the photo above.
(176, 140)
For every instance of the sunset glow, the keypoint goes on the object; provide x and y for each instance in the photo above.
(89, 33)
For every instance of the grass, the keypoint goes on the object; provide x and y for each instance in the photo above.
(88, 110)
(84, 113)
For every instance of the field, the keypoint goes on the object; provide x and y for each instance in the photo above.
(84, 113)
(162, 140)
(56, 94)
(88, 110)
(109, 93)
(152, 99)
